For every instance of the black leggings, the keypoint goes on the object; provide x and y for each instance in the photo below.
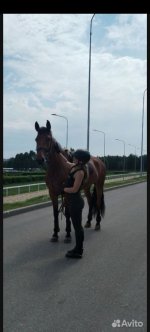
(76, 204)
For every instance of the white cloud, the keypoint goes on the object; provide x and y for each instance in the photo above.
(46, 59)
(129, 32)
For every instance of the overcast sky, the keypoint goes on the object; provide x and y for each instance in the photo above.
(46, 68)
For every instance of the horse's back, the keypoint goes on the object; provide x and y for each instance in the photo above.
(96, 170)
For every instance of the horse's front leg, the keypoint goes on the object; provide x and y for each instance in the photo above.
(56, 220)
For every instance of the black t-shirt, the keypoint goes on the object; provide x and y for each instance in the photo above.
(70, 179)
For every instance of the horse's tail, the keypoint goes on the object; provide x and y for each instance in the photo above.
(94, 203)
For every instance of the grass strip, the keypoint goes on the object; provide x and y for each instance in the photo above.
(31, 201)
(118, 183)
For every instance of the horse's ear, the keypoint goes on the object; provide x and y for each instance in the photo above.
(37, 126)
(48, 126)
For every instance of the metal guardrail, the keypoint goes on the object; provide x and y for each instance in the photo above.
(17, 190)
(124, 176)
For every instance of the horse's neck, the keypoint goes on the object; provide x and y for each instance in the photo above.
(58, 165)
(65, 164)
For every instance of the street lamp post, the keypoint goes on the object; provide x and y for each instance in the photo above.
(100, 131)
(124, 152)
(64, 117)
(141, 169)
(135, 154)
(88, 122)
(142, 160)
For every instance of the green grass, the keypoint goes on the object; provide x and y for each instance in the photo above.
(118, 183)
(31, 201)
(45, 198)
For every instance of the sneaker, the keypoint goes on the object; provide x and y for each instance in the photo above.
(73, 254)
(72, 250)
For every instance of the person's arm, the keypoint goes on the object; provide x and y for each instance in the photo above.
(68, 162)
(77, 183)
(58, 150)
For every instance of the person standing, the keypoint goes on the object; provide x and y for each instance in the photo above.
(72, 189)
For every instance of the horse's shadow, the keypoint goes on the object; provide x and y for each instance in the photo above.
(42, 263)
(52, 268)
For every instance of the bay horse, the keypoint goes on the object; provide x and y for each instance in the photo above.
(57, 170)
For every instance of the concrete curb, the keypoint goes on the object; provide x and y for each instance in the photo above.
(29, 208)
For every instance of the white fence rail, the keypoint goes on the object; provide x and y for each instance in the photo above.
(17, 190)
(22, 189)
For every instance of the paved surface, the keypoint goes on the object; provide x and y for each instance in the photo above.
(44, 291)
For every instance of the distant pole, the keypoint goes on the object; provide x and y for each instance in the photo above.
(100, 131)
(135, 159)
(141, 169)
(124, 152)
(88, 122)
(142, 161)
(61, 116)
(135, 154)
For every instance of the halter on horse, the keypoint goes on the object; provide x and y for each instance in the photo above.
(56, 173)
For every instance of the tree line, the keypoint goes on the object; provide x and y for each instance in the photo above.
(27, 161)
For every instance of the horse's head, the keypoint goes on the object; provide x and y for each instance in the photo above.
(46, 145)
(44, 142)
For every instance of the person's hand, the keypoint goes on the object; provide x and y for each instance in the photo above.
(62, 189)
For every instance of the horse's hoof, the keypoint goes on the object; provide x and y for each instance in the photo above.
(67, 239)
(97, 227)
(54, 239)
(87, 225)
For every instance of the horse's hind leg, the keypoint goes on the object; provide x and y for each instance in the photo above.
(88, 196)
(68, 226)
(99, 193)
(88, 223)
(98, 220)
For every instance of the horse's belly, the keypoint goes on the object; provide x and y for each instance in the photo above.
(93, 174)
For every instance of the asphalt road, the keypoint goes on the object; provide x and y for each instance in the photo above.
(46, 292)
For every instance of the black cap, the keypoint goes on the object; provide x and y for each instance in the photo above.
(82, 155)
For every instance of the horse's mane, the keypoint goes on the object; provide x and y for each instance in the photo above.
(57, 145)
(67, 153)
